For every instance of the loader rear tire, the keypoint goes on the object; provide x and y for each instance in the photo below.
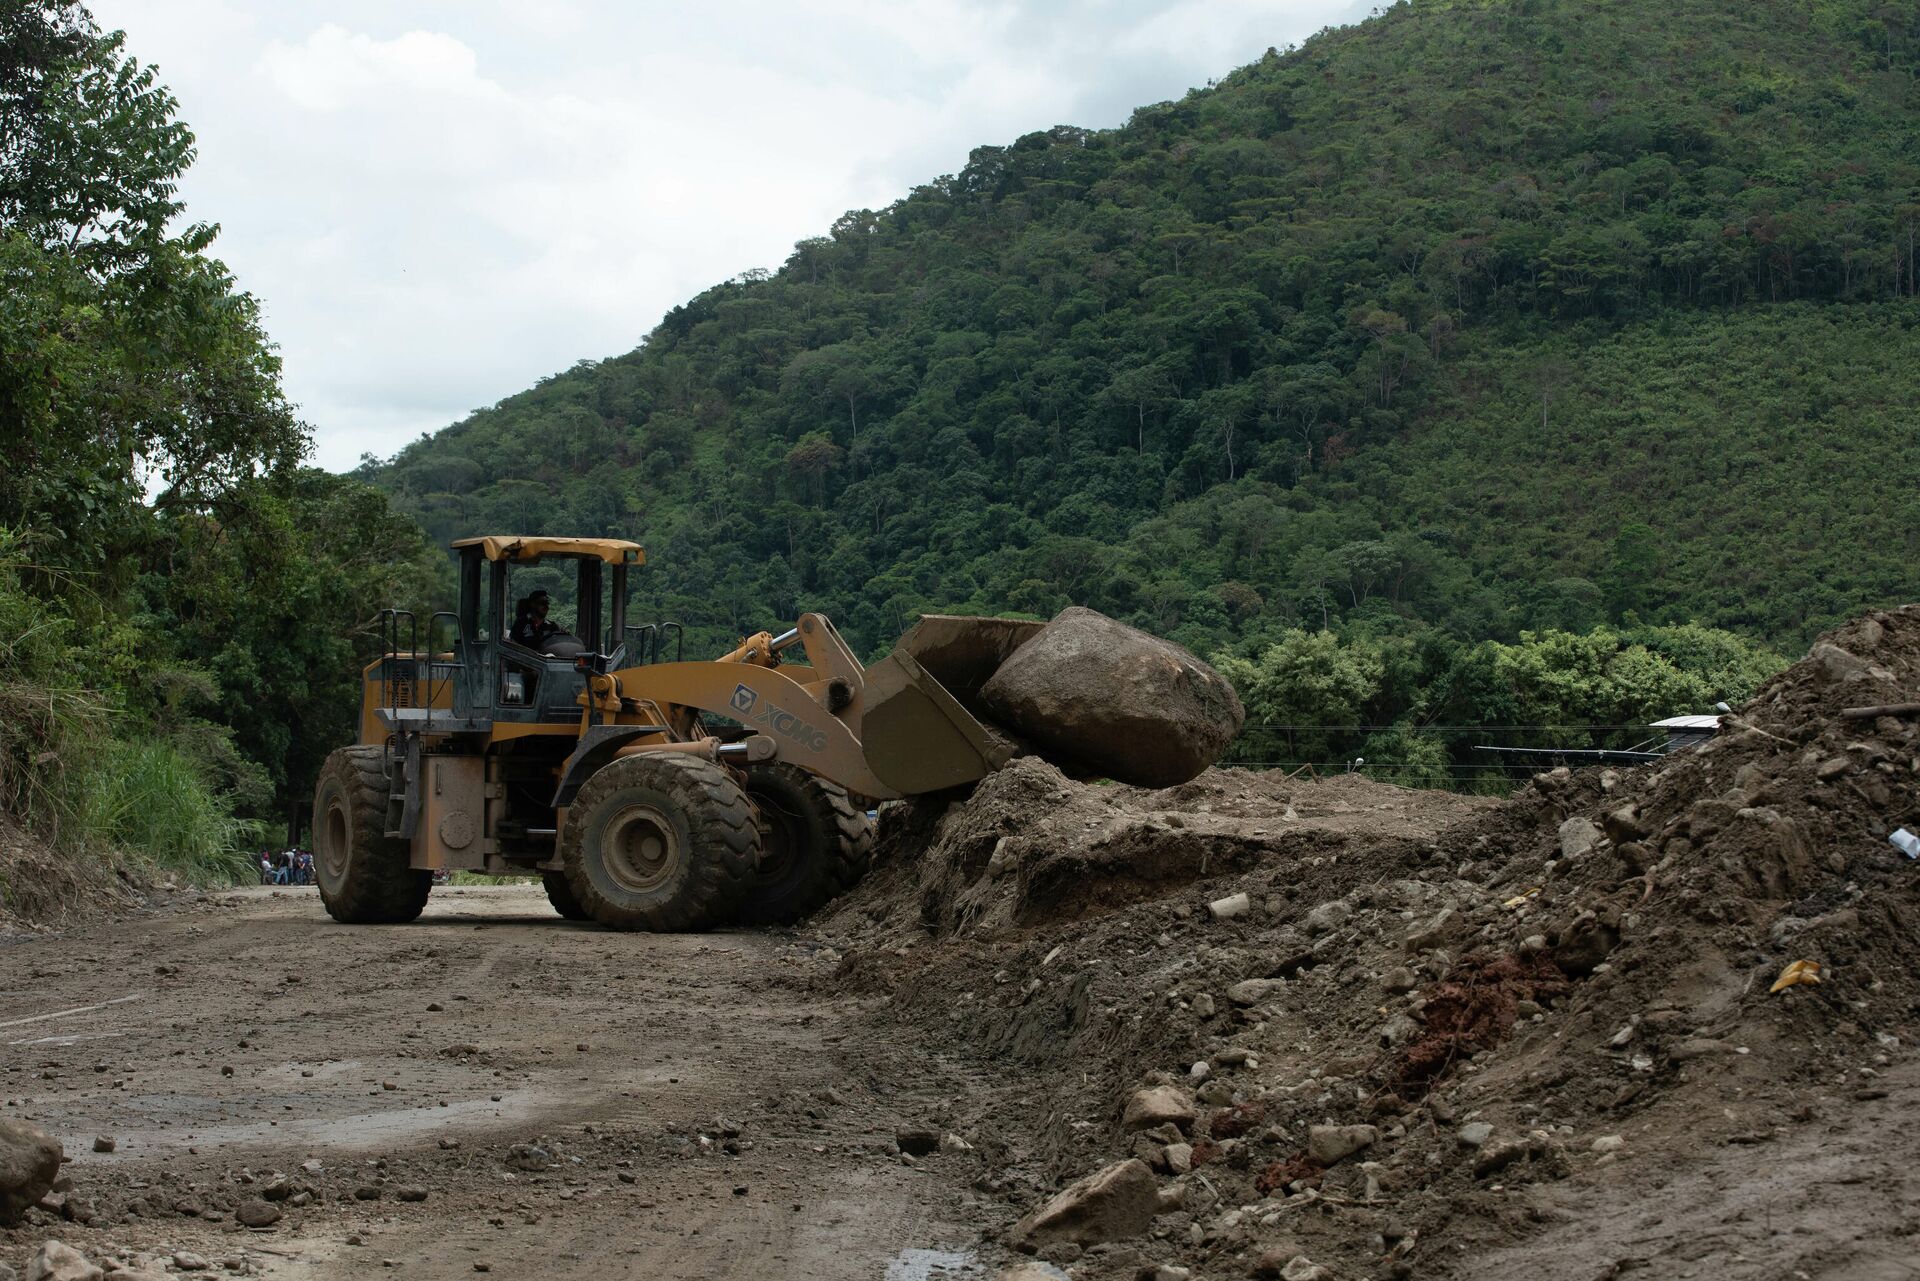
(560, 894)
(362, 872)
(660, 841)
(816, 841)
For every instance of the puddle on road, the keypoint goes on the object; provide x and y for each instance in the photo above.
(934, 1265)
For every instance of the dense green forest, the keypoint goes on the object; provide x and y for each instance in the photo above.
(182, 603)
(1470, 322)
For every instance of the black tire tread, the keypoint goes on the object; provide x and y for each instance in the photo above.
(725, 841)
(560, 894)
(380, 888)
(834, 865)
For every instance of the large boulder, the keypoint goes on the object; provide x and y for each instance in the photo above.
(29, 1163)
(1111, 1205)
(1101, 696)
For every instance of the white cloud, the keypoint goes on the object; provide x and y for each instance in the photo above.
(440, 201)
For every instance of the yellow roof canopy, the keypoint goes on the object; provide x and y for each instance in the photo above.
(615, 551)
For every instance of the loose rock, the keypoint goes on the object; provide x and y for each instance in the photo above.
(1160, 1105)
(1254, 991)
(1225, 909)
(29, 1163)
(58, 1261)
(1331, 1144)
(1113, 1204)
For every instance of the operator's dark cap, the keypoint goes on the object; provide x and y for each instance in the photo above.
(538, 596)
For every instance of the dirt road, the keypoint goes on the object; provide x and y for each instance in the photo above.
(688, 1110)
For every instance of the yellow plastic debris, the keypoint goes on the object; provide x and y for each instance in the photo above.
(1795, 974)
(1521, 897)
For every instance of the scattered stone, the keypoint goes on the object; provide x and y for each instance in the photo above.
(1700, 1047)
(1608, 1143)
(530, 1158)
(1203, 1006)
(1254, 991)
(1578, 837)
(1330, 915)
(1473, 1134)
(1225, 909)
(1401, 979)
(1499, 1154)
(1159, 1105)
(1215, 1092)
(411, 1192)
(1301, 1268)
(29, 1163)
(1110, 1205)
(258, 1214)
(367, 1192)
(1626, 824)
(1836, 664)
(1200, 1070)
(1331, 1144)
(188, 1261)
(1030, 1272)
(1179, 1157)
(58, 1261)
(1439, 928)
(104, 1143)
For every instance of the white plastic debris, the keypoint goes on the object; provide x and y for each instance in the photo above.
(1906, 842)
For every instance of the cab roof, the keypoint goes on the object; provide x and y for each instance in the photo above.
(518, 547)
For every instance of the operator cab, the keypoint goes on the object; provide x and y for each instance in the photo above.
(585, 581)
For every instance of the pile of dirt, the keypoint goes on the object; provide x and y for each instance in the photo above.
(1437, 1033)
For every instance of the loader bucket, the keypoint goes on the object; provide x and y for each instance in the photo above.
(963, 653)
(916, 736)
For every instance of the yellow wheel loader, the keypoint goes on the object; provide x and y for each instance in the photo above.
(647, 791)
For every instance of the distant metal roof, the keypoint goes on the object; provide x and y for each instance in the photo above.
(1688, 722)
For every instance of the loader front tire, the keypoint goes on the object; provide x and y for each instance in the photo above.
(560, 894)
(362, 872)
(816, 843)
(660, 841)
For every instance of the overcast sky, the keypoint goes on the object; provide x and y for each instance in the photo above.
(440, 201)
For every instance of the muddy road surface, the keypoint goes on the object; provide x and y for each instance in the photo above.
(491, 1089)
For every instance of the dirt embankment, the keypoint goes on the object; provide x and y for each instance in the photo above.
(1438, 1037)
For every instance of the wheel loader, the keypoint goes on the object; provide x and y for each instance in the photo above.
(646, 790)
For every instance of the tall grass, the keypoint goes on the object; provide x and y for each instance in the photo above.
(151, 801)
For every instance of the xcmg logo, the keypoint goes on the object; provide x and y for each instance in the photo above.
(747, 703)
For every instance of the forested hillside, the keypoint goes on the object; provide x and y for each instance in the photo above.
(1470, 319)
(183, 605)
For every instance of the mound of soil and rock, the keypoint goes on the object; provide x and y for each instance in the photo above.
(1258, 1026)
